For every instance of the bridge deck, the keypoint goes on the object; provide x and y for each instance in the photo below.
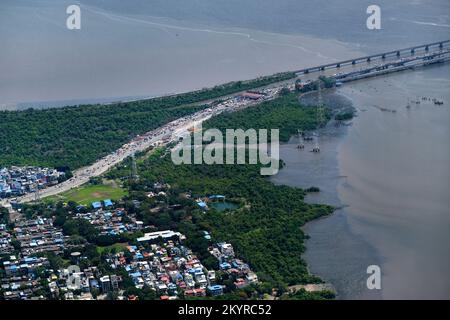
(365, 58)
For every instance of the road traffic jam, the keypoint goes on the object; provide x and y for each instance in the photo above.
(162, 136)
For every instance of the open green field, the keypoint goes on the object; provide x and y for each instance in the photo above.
(85, 195)
(117, 246)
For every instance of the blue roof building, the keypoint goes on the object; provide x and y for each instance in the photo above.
(135, 274)
(202, 205)
(96, 205)
(224, 266)
(138, 256)
(217, 197)
(94, 284)
(215, 290)
(206, 235)
(108, 203)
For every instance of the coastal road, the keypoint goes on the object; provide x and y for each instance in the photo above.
(160, 136)
(171, 131)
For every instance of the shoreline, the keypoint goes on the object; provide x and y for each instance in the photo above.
(328, 183)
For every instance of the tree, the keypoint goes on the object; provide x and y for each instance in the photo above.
(4, 216)
(16, 244)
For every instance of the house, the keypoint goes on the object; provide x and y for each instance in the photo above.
(251, 277)
(211, 276)
(202, 205)
(105, 284)
(195, 293)
(206, 235)
(167, 234)
(215, 290)
(225, 266)
(217, 197)
(108, 203)
(226, 249)
(240, 283)
(96, 205)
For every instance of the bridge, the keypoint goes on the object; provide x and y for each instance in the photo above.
(394, 53)
(439, 54)
(394, 66)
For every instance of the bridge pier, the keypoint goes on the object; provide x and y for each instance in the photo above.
(437, 47)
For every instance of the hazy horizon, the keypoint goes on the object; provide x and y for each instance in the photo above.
(148, 48)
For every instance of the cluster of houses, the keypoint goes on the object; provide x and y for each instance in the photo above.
(228, 263)
(164, 264)
(159, 260)
(111, 222)
(19, 273)
(159, 190)
(21, 280)
(26, 274)
(31, 278)
(17, 181)
(74, 284)
(19, 276)
(5, 240)
(167, 266)
(39, 235)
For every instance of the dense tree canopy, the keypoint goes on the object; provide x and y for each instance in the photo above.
(285, 113)
(266, 229)
(79, 135)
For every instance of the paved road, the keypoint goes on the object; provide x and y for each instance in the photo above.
(161, 136)
(176, 128)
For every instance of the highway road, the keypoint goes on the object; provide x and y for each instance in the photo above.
(175, 129)
(158, 137)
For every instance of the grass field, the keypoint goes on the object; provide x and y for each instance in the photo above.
(85, 195)
(118, 246)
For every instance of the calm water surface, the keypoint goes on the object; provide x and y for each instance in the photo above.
(391, 170)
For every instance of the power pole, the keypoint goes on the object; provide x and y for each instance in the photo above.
(37, 196)
(319, 114)
(301, 145)
(134, 172)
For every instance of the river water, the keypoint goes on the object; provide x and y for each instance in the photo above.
(391, 172)
(141, 48)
